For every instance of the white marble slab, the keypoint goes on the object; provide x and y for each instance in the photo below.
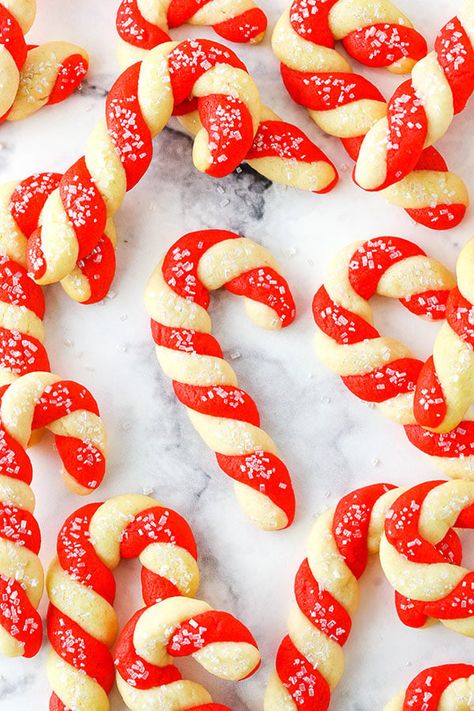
(331, 442)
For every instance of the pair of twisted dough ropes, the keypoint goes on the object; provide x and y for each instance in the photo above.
(82, 624)
(30, 76)
(382, 370)
(421, 109)
(310, 660)
(177, 298)
(345, 104)
(139, 105)
(142, 25)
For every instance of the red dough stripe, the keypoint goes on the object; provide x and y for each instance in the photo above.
(133, 28)
(399, 376)
(11, 37)
(207, 628)
(70, 642)
(305, 684)
(18, 289)
(185, 340)
(22, 354)
(338, 323)
(246, 27)
(351, 525)
(327, 91)
(218, 401)
(382, 44)
(265, 473)
(127, 126)
(18, 616)
(320, 607)
(77, 555)
(459, 442)
(268, 287)
(426, 689)
(60, 399)
(156, 525)
(28, 198)
(20, 527)
(456, 56)
(71, 72)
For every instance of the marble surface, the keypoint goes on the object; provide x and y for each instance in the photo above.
(331, 442)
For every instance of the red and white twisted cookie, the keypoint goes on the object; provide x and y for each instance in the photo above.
(310, 660)
(30, 76)
(416, 524)
(120, 149)
(345, 104)
(421, 109)
(21, 204)
(177, 299)
(174, 628)
(32, 402)
(450, 686)
(142, 25)
(445, 387)
(82, 623)
(374, 367)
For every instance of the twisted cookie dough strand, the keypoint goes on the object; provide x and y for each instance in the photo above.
(177, 298)
(50, 74)
(450, 686)
(32, 402)
(143, 25)
(345, 104)
(173, 628)
(310, 660)
(120, 150)
(445, 388)
(16, 18)
(421, 109)
(82, 623)
(409, 553)
(376, 368)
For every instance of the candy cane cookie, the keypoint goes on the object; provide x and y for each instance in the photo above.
(421, 109)
(227, 419)
(143, 25)
(118, 153)
(280, 151)
(416, 523)
(445, 386)
(310, 659)
(346, 105)
(450, 686)
(82, 623)
(69, 411)
(374, 367)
